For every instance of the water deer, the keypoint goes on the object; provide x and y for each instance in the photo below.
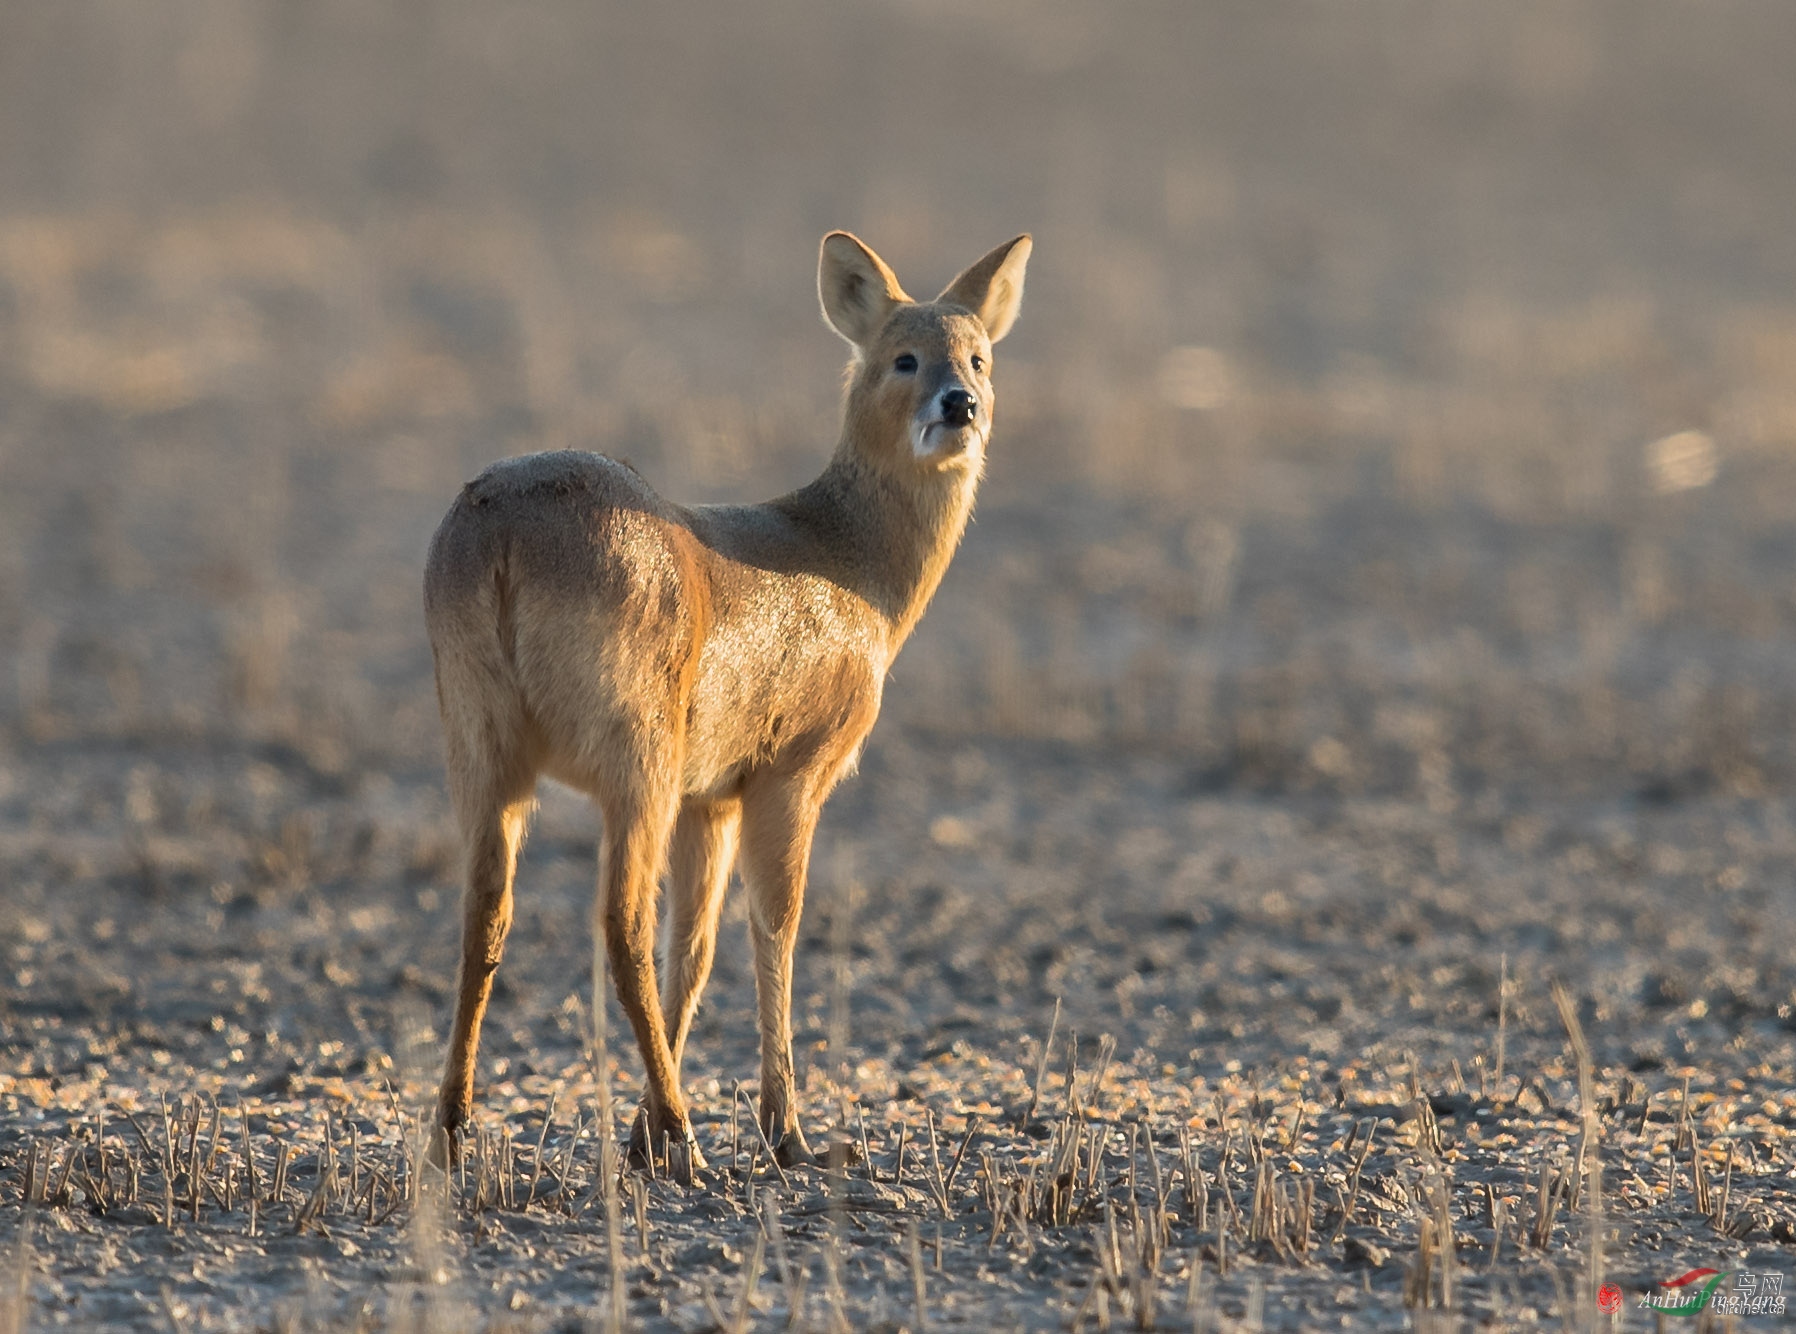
(706, 673)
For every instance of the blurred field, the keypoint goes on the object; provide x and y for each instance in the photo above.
(273, 286)
(1384, 569)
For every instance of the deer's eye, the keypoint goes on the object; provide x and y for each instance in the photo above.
(979, 364)
(905, 365)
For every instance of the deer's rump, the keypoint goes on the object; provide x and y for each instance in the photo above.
(566, 608)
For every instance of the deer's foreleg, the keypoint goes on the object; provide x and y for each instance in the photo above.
(778, 821)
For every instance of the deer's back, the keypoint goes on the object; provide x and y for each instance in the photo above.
(612, 610)
(558, 521)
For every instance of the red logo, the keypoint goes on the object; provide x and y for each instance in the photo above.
(1608, 1299)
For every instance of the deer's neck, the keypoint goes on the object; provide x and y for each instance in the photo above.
(892, 537)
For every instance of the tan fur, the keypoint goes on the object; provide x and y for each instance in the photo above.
(707, 674)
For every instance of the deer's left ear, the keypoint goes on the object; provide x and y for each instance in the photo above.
(858, 288)
(993, 288)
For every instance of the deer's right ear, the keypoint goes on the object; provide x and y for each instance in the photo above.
(993, 288)
(856, 287)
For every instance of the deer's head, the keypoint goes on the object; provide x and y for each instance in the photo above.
(920, 388)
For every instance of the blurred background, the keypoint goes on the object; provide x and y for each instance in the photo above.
(1403, 402)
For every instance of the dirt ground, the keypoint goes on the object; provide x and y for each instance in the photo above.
(1329, 854)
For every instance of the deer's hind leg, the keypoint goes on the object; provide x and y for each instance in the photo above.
(639, 818)
(699, 866)
(492, 783)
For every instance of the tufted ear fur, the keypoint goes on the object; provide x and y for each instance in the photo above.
(993, 288)
(856, 287)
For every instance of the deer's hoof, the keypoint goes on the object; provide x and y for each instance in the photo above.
(673, 1153)
(790, 1149)
(684, 1161)
(444, 1150)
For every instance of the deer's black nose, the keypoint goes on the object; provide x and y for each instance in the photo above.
(957, 407)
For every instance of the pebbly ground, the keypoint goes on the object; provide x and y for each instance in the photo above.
(235, 951)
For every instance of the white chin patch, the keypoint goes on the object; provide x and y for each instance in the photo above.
(941, 442)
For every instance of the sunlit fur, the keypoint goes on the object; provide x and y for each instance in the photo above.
(707, 674)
